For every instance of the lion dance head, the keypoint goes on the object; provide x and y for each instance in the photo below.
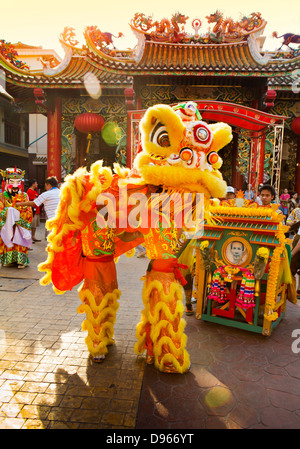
(180, 150)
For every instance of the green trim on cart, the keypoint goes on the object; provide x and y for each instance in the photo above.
(239, 324)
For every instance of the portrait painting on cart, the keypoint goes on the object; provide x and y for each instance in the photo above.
(237, 251)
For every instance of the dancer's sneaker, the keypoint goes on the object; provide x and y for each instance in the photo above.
(98, 358)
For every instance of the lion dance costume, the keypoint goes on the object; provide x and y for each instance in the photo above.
(15, 224)
(178, 155)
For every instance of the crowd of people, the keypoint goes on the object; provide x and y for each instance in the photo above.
(49, 199)
(23, 215)
(266, 195)
(289, 206)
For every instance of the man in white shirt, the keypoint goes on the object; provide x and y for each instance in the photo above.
(49, 198)
(249, 194)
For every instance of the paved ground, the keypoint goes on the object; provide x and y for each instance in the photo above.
(47, 381)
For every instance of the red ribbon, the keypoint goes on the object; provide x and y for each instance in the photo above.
(178, 275)
(171, 266)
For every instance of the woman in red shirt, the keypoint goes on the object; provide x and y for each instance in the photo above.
(32, 194)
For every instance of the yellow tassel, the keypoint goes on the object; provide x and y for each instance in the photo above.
(89, 138)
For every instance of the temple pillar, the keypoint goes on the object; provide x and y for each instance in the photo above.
(129, 101)
(54, 140)
(253, 163)
(296, 129)
(82, 144)
(261, 161)
(297, 168)
(237, 178)
(139, 103)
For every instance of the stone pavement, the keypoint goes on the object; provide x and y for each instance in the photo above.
(47, 381)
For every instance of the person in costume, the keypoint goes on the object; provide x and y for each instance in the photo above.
(82, 247)
(99, 293)
(15, 225)
(179, 153)
(160, 331)
(187, 258)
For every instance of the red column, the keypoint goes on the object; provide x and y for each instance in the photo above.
(54, 140)
(261, 161)
(253, 163)
(129, 100)
(82, 150)
(237, 178)
(297, 169)
(76, 152)
(296, 129)
(128, 143)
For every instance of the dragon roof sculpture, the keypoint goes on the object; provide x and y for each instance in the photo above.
(172, 31)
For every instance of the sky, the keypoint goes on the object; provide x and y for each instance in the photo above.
(39, 23)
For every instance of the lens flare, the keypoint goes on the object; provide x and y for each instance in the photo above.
(92, 85)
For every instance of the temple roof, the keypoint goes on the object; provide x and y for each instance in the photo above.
(233, 52)
(68, 74)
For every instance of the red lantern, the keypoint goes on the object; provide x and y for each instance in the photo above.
(296, 126)
(88, 123)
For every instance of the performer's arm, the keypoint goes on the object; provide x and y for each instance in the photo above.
(74, 237)
(130, 236)
(25, 203)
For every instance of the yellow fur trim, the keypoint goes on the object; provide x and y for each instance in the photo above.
(122, 172)
(157, 325)
(217, 165)
(102, 316)
(222, 135)
(181, 369)
(165, 115)
(210, 183)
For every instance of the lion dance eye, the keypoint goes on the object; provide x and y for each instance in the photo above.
(163, 140)
(161, 137)
(213, 158)
(202, 134)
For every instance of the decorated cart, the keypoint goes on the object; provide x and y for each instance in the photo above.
(242, 270)
(242, 260)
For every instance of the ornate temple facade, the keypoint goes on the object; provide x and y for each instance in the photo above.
(224, 69)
